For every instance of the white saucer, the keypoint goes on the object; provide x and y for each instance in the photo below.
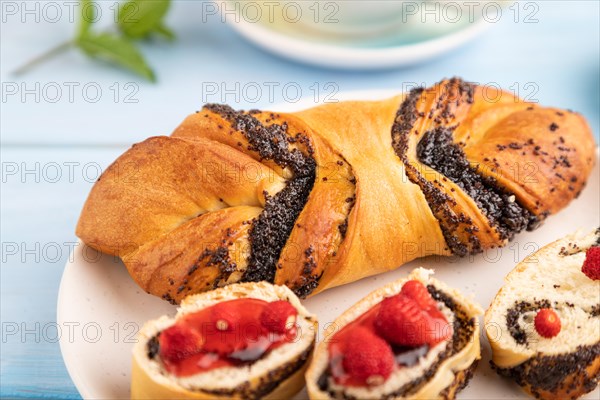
(100, 308)
(348, 57)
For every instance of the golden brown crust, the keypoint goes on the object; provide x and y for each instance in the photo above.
(461, 380)
(380, 179)
(287, 381)
(186, 259)
(538, 153)
(161, 183)
(370, 201)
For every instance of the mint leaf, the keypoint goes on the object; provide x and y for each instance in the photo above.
(87, 17)
(139, 18)
(166, 32)
(116, 50)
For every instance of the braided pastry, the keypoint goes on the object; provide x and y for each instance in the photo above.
(332, 194)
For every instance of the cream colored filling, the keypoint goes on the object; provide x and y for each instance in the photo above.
(577, 327)
(401, 375)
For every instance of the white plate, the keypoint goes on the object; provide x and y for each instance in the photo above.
(100, 307)
(349, 57)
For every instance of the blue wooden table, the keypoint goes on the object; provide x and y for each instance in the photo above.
(53, 148)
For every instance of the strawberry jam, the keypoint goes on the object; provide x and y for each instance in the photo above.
(394, 333)
(230, 333)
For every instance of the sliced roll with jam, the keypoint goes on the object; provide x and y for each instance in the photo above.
(544, 324)
(415, 338)
(244, 341)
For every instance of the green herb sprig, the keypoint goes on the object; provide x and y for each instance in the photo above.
(136, 20)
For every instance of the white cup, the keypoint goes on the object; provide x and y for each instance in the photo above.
(354, 20)
(341, 18)
(320, 17)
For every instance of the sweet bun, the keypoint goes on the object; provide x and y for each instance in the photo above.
(554, 357)
(440, 371)
(278, 374)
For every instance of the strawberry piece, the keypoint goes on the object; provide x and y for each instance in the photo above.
(591, 265)
(547, 323)
(367, 358)
(440, 329)
(278, 316)
(225, 343)
(401, 321)
(224, 317)
(419, 293)
(178, 343)
(224, 334)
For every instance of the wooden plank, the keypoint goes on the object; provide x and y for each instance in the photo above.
(39, 213)
(536, 59)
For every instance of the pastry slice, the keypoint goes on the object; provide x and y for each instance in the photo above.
(415, 338)
(249, 340)
(544, 324)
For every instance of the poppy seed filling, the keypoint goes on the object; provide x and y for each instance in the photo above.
(551, 373)
(513, 314)
(270, 231)
(437, 150)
